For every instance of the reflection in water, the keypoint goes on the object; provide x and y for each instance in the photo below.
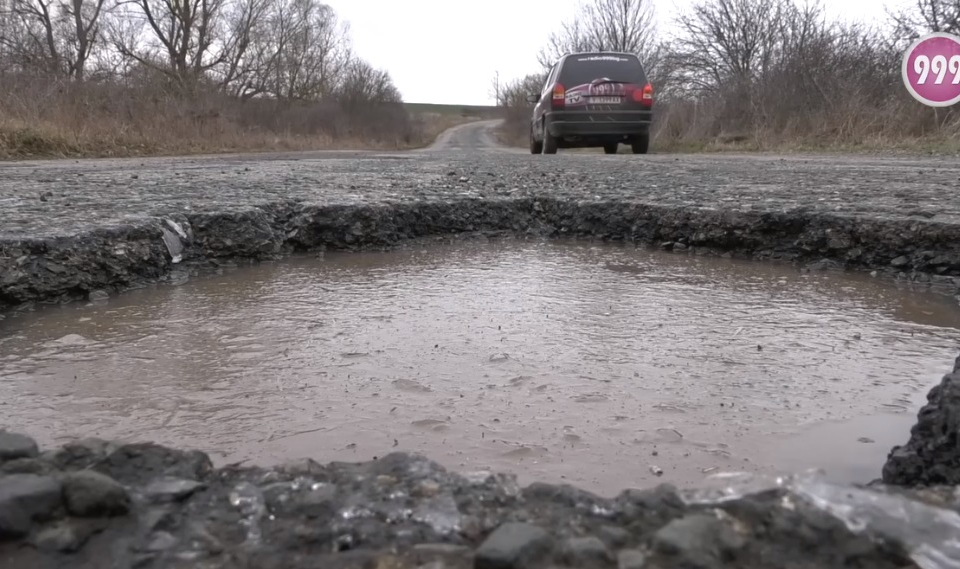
(577, 362)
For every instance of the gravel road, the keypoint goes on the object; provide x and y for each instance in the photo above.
(56, 198)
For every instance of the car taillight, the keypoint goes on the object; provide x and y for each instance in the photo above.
(558, 96)
(644, 96)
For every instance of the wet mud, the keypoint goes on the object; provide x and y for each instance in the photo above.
(604, 366)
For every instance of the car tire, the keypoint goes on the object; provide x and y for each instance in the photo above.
(641, 144)
(536, 147)
(611, 148)
(550, 143)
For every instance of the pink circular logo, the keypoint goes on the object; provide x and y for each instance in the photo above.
(931, 69)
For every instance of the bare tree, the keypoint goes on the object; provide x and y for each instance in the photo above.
(724, 41)
(84, 34)
(572, 37)
(621, 25)
(32, 36)
(926, 16)
(362, 85)
(604, 25)
(610, 25)
(53, 36)
(312, 49)
(496, 89)
(6, 55)
(242, 71)
(179, 38)
(288, 49)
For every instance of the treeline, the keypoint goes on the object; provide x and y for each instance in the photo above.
(761, 74)
(128, 76)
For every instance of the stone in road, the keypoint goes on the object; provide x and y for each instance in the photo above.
(403, 511)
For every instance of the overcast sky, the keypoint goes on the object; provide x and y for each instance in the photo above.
(447, 51)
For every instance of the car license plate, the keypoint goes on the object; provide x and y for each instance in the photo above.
(605, 100)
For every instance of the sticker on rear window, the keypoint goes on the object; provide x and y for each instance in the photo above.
(603, 58)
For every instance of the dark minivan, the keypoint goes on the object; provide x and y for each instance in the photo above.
(595, 99)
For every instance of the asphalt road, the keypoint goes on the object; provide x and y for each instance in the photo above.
(67, 197)
(475, 137)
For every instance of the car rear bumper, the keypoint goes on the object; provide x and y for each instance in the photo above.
(598, 123)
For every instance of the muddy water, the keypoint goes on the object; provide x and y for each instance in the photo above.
(566, 362)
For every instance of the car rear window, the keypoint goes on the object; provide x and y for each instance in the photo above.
(581, 69)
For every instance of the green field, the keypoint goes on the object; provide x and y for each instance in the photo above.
(480, 111)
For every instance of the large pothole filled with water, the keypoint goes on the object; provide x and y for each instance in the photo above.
(606, 366)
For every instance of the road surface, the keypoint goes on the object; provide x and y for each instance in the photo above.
(64, 197)
(474, 136)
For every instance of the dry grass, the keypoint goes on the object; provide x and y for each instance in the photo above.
(908, 147)
(515, 129)
(900, 127)
(46, 140)
(44, 119)
(892, 124)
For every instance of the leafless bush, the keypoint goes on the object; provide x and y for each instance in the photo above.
(516, 110)
(922, 16)
(775, 72)
(132, 76)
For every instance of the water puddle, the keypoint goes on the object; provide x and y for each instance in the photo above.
(600, 365)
